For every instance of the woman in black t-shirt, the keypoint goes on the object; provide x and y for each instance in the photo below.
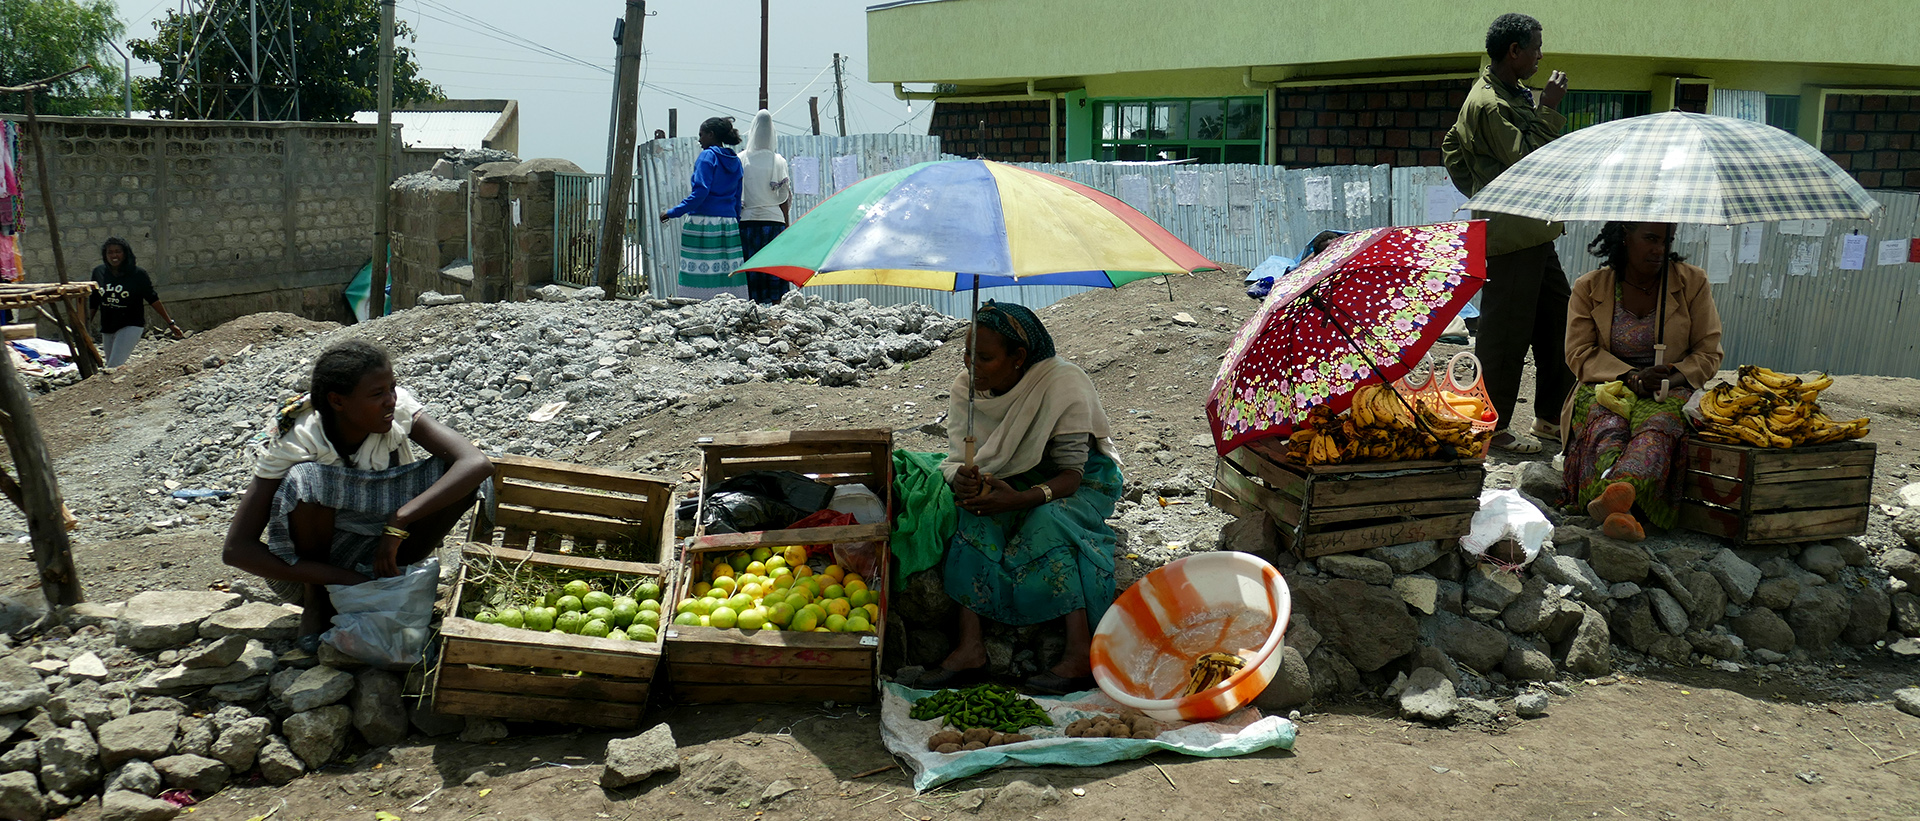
(122, 287)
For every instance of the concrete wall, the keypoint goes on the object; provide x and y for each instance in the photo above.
(230, 218)
(439, 222)
(429, 232)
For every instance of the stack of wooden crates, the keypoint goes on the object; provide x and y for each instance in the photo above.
(708, 665)
(557, 516)
(1322, 509)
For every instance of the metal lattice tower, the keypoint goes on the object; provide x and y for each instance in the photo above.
(259, 37)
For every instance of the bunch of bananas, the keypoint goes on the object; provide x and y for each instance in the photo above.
(1382, 427)
(1771, 410)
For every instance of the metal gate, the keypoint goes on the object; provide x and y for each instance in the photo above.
(579, 210)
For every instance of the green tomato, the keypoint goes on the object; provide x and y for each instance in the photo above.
(602, 613)
(624, 613)
(650, 604)
(570, 621)
(619, 600)
(510, 617)
(540, 618)
(597, 628)
(686, 606)
(687, 618)
(647, 590)
(484, 617)
(570, 603)
(597, 599)
(619, 635)
(578, 589)
(647, 618)
(644, 633)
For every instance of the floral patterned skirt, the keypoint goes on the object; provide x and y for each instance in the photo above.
(1036, 565)
(1606, 447)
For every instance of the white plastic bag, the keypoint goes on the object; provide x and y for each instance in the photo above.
(863, 503)
(1505, 514)
(384, 622)
(1693, 411)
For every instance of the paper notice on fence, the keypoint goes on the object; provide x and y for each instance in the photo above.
(1817, 228)
(1134, 192)
(846, 171)
(1794, 227)
(1750, 239)
(1893, 252)
(1443, 201)
(1359, 196)
(1186, 188)
(516, 211)
(806, 175)
(1719, 255)
(1240, 193)
(1853, 252)
(1319, 193)
(1805, 256)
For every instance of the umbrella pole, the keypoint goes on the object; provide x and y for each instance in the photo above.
(973, 325)
(1317, 302)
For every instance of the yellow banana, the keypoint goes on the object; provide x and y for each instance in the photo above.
(1774, 379)
(1817, 384)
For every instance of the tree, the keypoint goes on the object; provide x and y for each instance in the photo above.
(334, 58)
(46, 37)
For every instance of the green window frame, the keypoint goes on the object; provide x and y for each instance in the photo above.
(1208, 129)
(1585, 108)
(1783, 112)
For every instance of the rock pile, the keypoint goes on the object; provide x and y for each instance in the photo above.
(484, 370)
(178, 690)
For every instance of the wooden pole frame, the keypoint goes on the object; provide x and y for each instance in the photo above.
(40, 492)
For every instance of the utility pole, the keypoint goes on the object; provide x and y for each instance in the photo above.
(813, 112)
(253, 61)
(377, 288)
(613, 230)
(763, 53)
(673, 122)
(613, 100)
(840, 95)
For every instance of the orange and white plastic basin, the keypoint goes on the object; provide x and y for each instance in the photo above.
(1224, 602)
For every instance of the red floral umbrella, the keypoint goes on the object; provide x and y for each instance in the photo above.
(1364, 310)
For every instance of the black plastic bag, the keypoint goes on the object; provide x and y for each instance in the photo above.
(762, 500)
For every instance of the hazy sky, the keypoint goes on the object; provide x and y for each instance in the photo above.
(701, 58)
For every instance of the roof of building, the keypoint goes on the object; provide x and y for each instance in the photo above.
(438, 129)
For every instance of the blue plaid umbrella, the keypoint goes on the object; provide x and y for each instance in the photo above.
(1677, 167)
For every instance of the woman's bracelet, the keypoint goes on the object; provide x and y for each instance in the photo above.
(1046, 493)
(394, 531)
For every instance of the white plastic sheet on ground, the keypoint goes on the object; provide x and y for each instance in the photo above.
(1505, 514)
(1244, 731)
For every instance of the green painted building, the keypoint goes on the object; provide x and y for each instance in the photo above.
(1325, 82)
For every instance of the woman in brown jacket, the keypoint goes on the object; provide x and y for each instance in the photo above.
(1645, 320)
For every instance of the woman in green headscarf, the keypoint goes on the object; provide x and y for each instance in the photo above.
(1032, 543)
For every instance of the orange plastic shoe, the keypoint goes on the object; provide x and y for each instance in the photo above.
(1624, 527)
(1616, 498)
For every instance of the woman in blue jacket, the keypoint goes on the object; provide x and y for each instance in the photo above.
(710, 247)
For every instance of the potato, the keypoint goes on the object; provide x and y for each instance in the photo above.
(1079, 726)
(1141, 724)
(1119, 731)
(948, 749)
(945, 737)
(979, 734)
(1016, 738)
(1076, 732)
(997, 740)
(974, 745)
(1145, 734)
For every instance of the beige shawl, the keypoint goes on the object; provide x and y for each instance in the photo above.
(1054, 398)
(308, 442)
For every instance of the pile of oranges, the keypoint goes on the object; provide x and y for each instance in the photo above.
(777, 589)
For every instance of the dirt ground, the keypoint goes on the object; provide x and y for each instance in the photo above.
(1633, 748)
(1682, 744)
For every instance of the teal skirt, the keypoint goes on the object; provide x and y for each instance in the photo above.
(1036, 565)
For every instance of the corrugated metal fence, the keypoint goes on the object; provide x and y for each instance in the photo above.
(1795, 308)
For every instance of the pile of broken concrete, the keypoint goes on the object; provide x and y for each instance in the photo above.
(175, 694)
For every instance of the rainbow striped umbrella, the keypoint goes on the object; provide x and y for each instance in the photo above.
(958, 225)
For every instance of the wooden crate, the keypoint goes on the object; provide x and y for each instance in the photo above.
(1766, 495)
(556, 507)
(708, 665)
(1324, 509)
(510, 673)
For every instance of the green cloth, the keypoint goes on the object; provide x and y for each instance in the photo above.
(926, 513)
(1498, 125)
(1031, 566)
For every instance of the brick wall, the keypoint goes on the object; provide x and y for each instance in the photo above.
(1016, 131)
(1874, 136)
(1392, 123)
(230, 218)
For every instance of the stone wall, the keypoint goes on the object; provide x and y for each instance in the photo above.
(1387, 123)
(1016, 130)
(1874, 136)
(440, 222)
(230, 218)
(429, 232)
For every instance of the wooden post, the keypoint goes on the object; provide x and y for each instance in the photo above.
(673, 123)
(613, 230)
(840, 94)
(76, 331)
(813, 112)
(763, 53)
(40, 489)
(382, 194)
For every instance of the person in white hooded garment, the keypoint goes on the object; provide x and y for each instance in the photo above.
(766, 200)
